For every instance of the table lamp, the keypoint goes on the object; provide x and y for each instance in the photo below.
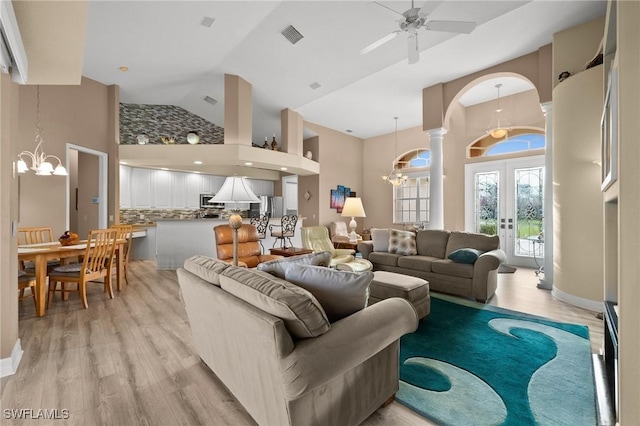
(235, 190)
(353, 207)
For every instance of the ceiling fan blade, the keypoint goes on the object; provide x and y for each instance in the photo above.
(429, 7)
(380, 42)
(387, 7)
(412, 45)
(461, 27)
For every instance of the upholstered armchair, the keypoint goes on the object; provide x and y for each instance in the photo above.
(316, 238)
(249, 253)
(340, 233)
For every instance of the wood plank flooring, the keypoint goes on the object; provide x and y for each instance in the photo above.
(131, 360)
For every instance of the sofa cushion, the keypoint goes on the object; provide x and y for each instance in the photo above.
(207, 268)
(458, 240)
(432, 242)
(340, 293)
(449, 267)
(402, 242)
(421, 263)
(465, 255)
(380, 238)
(278, 267)
(388, 259)
(301, 313)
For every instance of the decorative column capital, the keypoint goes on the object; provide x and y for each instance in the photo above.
(437, 132)
(546, 107)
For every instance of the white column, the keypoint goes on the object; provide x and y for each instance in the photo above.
(546, 280)
(436, 187)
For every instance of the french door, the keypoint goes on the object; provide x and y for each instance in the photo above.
(505, 198)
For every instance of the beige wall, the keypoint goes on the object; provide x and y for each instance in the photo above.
(341, 163)
(87, 189)
(310, 208)
(577, 200)
(8, 215)
(576, 46)
(78, 115)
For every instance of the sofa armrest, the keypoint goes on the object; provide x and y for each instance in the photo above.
(485, 272)
(365, 247)
(348, 343)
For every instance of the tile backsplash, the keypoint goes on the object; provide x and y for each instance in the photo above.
(134, 216)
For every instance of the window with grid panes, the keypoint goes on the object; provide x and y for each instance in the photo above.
(411, 201)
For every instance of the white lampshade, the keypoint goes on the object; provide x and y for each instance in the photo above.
(60, 171)
(22, 166)
(235, 189)
(45, 169)
(353, 207)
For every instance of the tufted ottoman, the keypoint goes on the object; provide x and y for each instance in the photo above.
(389, 284)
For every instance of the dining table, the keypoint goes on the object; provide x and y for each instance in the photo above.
(41, 253)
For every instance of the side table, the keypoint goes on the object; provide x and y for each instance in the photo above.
(290, 251)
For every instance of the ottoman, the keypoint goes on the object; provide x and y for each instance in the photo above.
(389, 284)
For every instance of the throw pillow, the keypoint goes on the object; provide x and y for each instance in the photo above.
(340, 293)
(207, 268)
(301, 313)
(278, 267)
(402, 242)
(465, 255)
(380, 238)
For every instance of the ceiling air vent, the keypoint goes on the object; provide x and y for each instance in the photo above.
(207, 22)
(210, 100)
(315, 85)
(291, 34)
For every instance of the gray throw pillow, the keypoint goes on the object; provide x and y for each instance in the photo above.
(278, 267)
(341, 293)
(380, 238)
(402, 242)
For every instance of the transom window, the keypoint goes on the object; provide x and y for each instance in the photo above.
(519, 140)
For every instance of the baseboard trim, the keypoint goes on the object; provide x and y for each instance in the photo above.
(580, 302)
(9, 366)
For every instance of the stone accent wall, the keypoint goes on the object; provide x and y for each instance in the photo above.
(132, 216)
(157, 121)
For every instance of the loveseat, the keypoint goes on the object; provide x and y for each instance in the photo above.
(273, 347)
(467, 277)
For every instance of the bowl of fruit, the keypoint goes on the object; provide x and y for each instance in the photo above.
(69, 238)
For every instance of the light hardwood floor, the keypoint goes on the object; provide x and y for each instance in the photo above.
(131, 360)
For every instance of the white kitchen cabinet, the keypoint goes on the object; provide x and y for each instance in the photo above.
(216, 183)
(179, 190)
(193, 190)
(162, 189)
(141, 183)
(267, 188)
(125, 187)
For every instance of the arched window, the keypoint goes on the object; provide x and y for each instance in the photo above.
(518, 140)
(411, 200)
(415, 159)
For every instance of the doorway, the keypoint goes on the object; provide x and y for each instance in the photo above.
(506, 198)
(86, 189)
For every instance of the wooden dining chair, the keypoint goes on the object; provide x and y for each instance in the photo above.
(97, 263)
(125, 232)
(35, 235)
(26, 281)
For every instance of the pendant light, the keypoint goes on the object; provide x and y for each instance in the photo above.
(38, 158)
(395, 177)
(499, 129)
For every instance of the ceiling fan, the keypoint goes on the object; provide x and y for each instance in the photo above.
(413, 20)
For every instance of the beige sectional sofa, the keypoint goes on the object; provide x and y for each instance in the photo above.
(271, 344)
(476, 280)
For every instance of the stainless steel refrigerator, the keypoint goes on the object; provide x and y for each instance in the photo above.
(272, 205)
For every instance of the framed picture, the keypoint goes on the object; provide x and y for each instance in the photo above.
(609, 127)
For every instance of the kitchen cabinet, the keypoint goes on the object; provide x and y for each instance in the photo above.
(216, 183)
(125, 187)
(162, 183)
(141, 188)
(179, 190)
(193, 189)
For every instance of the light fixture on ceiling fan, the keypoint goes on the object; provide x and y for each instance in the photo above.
(498, 130)
(413, 20)
(396, 177)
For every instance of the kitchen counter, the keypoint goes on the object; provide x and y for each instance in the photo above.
(179, 239)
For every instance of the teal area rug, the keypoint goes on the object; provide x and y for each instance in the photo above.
(474, 364)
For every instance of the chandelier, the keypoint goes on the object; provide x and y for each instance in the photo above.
(395, 177)
(498, 130)
(38, 158)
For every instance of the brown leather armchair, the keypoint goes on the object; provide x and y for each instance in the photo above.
(249, 254)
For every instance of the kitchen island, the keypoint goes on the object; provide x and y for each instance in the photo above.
(179, 239)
